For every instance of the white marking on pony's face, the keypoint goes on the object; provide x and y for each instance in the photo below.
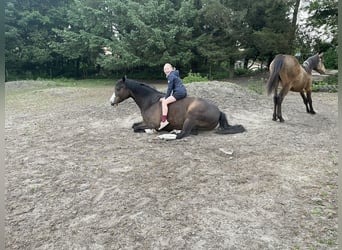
(321, 67)
(111, 100)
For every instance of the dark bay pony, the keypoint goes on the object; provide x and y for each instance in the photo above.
(286, 70)
(189, 114)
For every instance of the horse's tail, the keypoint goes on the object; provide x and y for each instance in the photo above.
(225, 128)
(273, 80)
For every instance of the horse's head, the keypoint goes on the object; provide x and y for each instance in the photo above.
(319, 65)
(121, 92)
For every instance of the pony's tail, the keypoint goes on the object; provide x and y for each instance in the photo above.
(273, 80)
(225, 128)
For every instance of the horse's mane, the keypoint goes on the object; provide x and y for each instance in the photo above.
(311, 63)
(144, 89)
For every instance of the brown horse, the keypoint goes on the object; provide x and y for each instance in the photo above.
(287, 71)
(189, 114)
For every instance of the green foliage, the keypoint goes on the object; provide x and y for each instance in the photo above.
(323, 14)
(329, 84)
(86, 38)
(28, 27)
(242, 71)
(194, 77)
(149, 34)
(331, 58)
(322, 22)
(220, 74)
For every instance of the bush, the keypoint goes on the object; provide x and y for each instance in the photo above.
(329, 84)
(330, 58)
(242, 71)
(194, 77)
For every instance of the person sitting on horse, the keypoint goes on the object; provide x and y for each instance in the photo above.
(175, 91)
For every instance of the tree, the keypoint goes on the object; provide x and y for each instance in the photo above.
(149, 34)
(84, 36)
(266, 30)
(214, 36)
(324, 15)
(321, 31)
(28, 27)
(294, 24)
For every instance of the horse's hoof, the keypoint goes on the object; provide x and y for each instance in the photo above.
(312, 112)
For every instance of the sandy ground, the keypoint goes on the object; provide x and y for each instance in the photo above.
(77, 177)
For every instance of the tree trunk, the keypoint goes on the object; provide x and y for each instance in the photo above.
(294, 24)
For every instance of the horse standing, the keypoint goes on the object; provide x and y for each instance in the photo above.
(286, 70)
(189, 114)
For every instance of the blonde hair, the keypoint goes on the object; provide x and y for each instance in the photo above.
(168, 65)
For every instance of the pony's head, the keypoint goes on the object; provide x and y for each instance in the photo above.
(121, 92)
(317, 63)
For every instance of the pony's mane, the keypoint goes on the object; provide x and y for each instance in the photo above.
(144, 89)
(140, 86)
(311, 63)
(314, 59)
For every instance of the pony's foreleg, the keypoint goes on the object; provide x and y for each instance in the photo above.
(139, 127)
(305, 100)
(308, 102)
(308, 94)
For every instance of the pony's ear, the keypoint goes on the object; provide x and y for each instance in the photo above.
(320, 53)
(124, 78)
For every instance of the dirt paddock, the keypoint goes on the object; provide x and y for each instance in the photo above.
(77, 177)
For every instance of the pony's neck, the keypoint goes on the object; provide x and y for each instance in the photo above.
(144, 96)
(307, 68)
(308, 64)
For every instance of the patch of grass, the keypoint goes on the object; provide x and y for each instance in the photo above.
(15, 88)
(324, 194)
(316, 211)
(257, 86)
(329, 242)
(67, 82)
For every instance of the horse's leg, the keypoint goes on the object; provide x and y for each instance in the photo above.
(139, 127)
(136, 124)
(275, 101)
(194, 131)
(308, 94)
(280, 99)
(187, 128)
(305, 100)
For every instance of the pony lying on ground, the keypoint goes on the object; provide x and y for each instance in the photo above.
(286, 70)
(189, 114)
